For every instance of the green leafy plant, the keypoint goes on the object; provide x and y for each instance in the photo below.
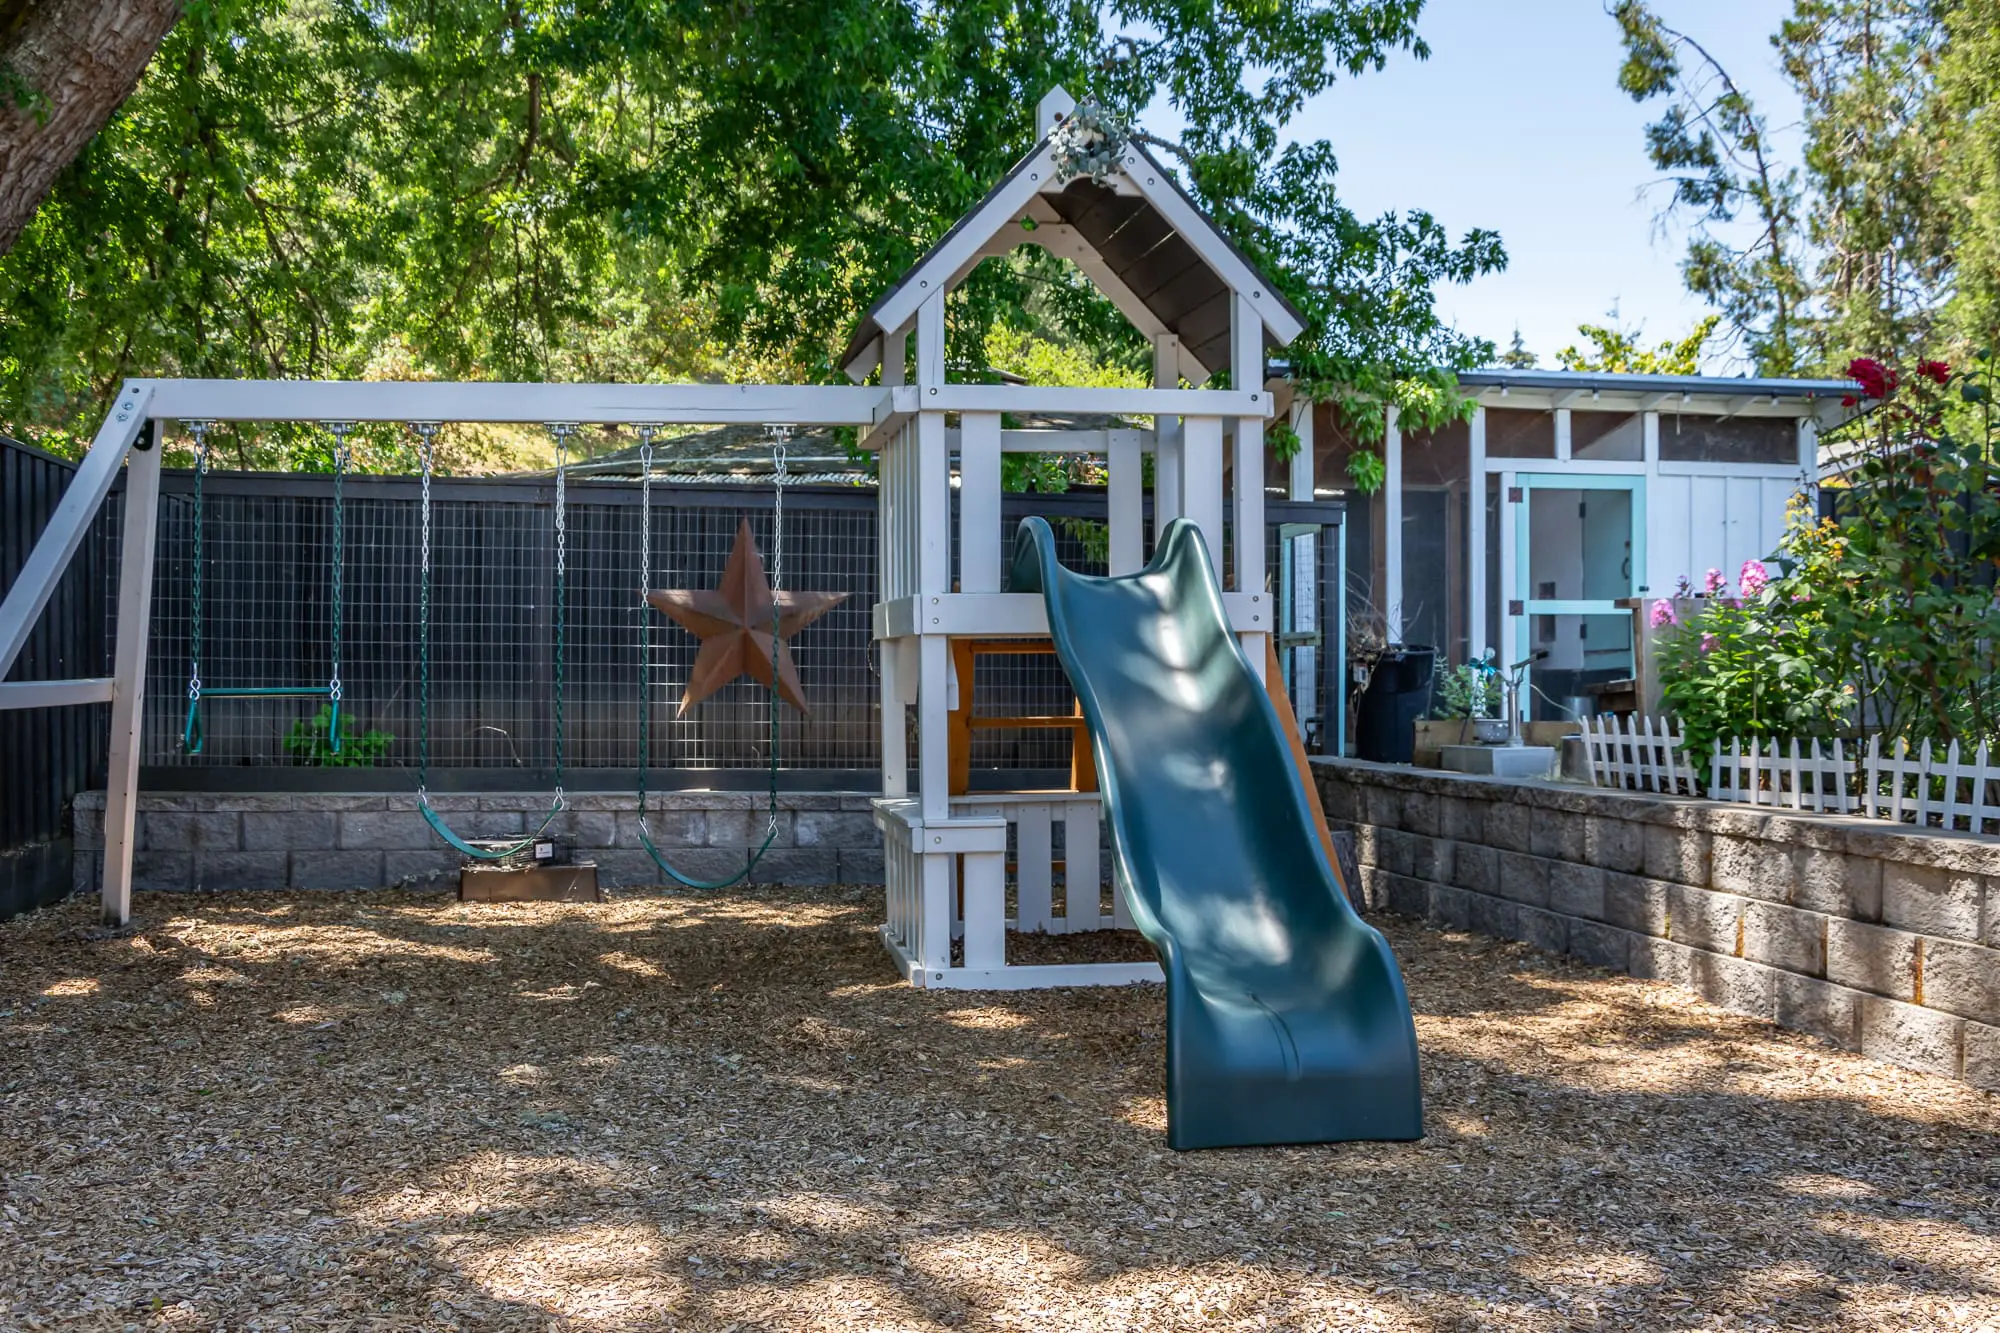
(311, 743)
(1282, 441)
(1367, 471)
(1465, 691)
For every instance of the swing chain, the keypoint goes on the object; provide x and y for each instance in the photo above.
(426, 433)
(341, 458)
(779, 462)
(198, 429)
(561, 431)
(645, 619)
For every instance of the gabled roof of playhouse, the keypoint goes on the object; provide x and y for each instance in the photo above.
(1147, 246)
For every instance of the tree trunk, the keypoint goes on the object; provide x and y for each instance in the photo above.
(65, 66)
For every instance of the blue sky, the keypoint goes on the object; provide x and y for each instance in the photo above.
(1516, 123)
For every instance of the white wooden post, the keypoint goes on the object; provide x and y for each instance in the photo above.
(1476, 572)
(1166, 437)
(934, 922)
(895, 722)
(1247, 355)
(1563, 437)
(1127, 502)
(985, 909)
(1301, 481)
(1033, 851)
(1510, 624)
(1082, 887)
(1392, 529)
(979, 535)
(135, 609)
(1201, 481)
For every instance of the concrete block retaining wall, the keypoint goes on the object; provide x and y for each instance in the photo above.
(216, 841)
(1872, 935)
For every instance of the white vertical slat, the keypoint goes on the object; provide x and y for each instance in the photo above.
(1840, 772)
(1984, 810)
(933, 727)
(979, 535)
(1166, 436)
(930, 341)
(1475, 547)
(1508, 632)
(1563, 436)
(1798, 790)
(1390, 597)
(1201, 481)
(1628, 753)
(933, 506)
(1301, 481)
(1924, 784)
(1745, 525)
(1661, 752)
(985, 909)
(1034, 894)
(1716, 785)
(1083, 887)
(1127, 502)
(1669, 519)
(1951, 776)
(895, 725)
(955, 896)
(934, 913)
(1247, 484)
(1589, 726)
(128, 671)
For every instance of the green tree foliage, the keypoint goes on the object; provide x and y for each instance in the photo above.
(1616, 350)
(1850, 250)
(1517, 356)
(647, 189)
(1968, 82)
(1714, 148)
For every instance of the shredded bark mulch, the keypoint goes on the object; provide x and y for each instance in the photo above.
(392, 1111)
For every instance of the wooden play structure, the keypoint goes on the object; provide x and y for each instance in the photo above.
(942, 605)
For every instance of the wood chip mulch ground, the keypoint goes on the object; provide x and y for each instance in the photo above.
(264, 1112)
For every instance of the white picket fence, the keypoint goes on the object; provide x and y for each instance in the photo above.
(1638, 754)
(1947, 789)
(1785, 774)
(1928, 789)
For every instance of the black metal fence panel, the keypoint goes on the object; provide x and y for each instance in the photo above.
(48, 755)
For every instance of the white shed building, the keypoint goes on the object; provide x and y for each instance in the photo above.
(1522, 528)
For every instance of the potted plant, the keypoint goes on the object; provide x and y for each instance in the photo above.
(1465, 710)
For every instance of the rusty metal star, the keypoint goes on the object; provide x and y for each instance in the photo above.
(733, 622)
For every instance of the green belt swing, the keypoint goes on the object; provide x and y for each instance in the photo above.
(489, 851)
(645, 658)
(193, 735)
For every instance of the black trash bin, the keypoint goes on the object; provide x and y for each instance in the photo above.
(1398, 693)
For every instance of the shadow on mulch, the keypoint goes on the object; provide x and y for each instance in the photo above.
(686, 1111)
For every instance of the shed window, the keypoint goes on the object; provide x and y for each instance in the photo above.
(1694, 439)
(1512, 433)
(1611, 436)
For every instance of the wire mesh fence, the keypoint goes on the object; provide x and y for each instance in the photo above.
(267, 622)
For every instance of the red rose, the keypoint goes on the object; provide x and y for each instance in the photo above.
(1875, 380)
(1849, 400)
(1937, 372)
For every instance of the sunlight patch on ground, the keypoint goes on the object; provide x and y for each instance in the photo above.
(625, 962)
(1591, 1268)
(604, 1276)
(71, 986)
(1826, 1187)
(997, 1020)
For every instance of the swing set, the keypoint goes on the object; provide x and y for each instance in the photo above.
(560, 433)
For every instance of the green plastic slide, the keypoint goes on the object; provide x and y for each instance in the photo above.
(1286, 1016)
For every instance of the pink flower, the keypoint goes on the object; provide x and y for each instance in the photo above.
(1684, 588)
(1714, 583)
(1663, 614)
(1753, 578)
(1709, 643)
